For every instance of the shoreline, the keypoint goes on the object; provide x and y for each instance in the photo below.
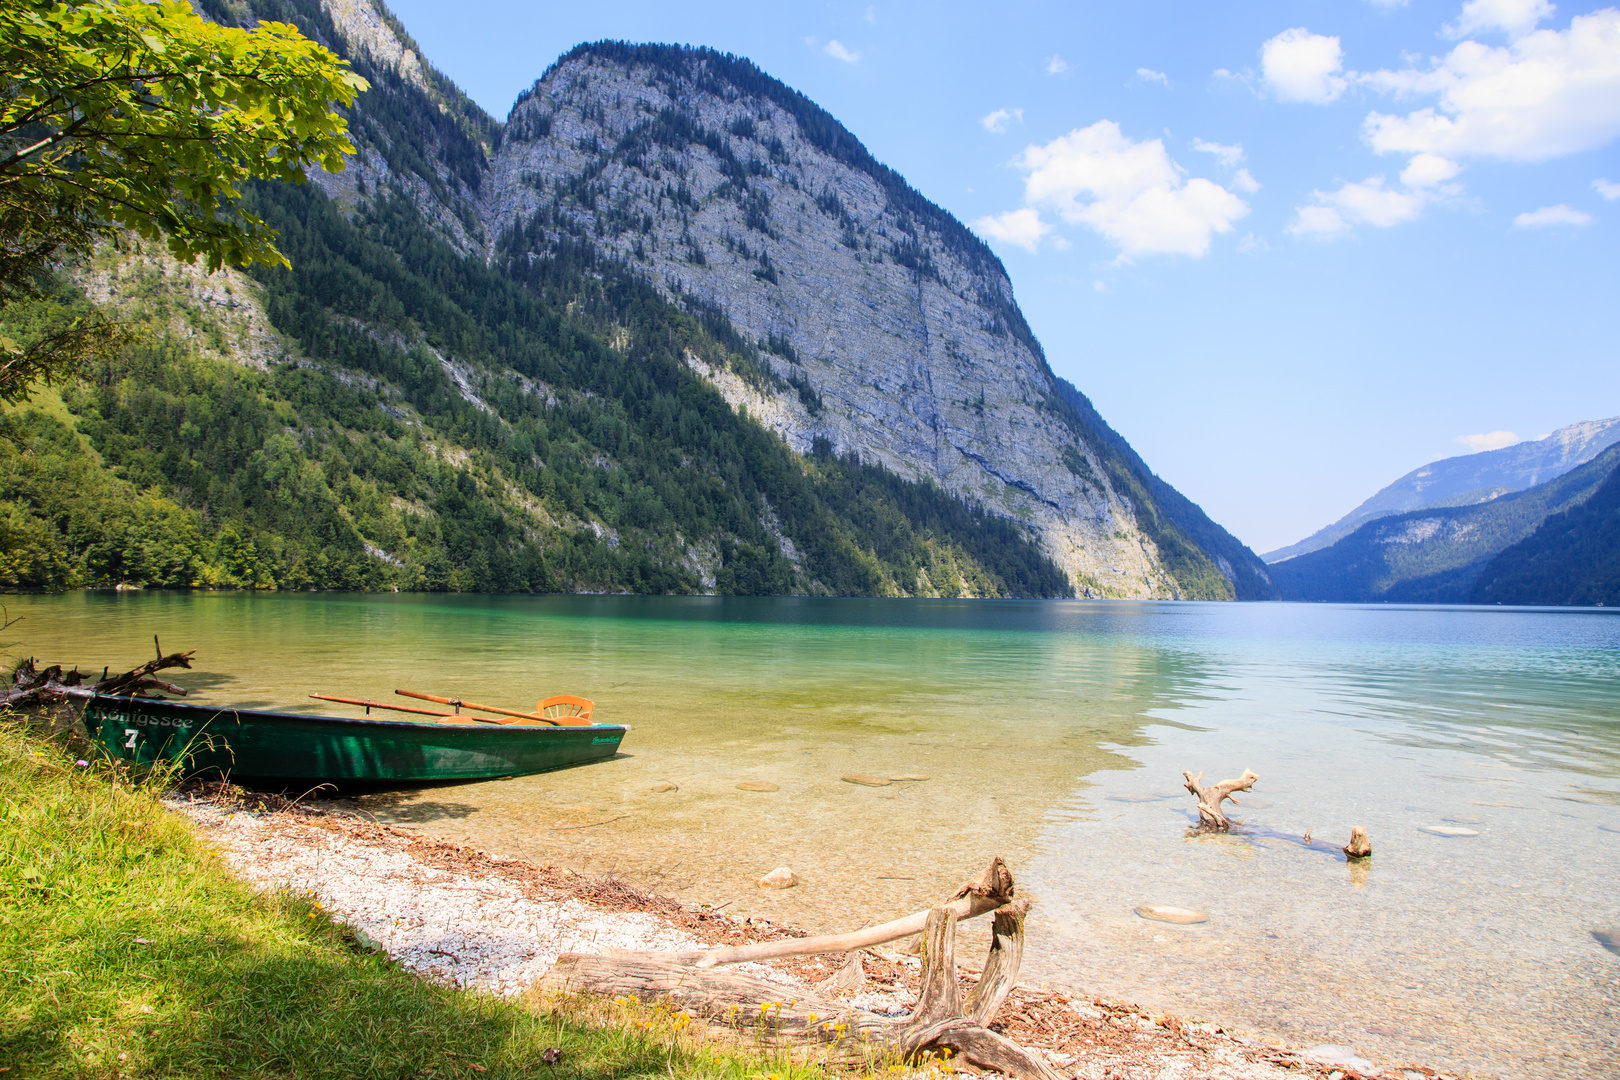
(454, 914)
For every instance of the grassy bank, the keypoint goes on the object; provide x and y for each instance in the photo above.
(127, 950)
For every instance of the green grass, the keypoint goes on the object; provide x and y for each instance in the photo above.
(127, 950)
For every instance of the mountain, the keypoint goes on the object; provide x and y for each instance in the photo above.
(1440, 554)
(1470, 478)
(668, 328)
(1573, 558)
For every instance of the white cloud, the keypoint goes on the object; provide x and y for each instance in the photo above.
(1149, 75)
(1251, 244)
(1429, 171)
(1512, 17)
(837, 51)
(1000, 119)
(1490, 440)
(1061, 243)
(1230, 156)
(1099, 286)
(1552, 215)
(1605, 188)
(1367, 203)
(1022, 227)
(1318, 223)
(1301, 66)
(1130, 192)
(1546, 94)
(1056, 65)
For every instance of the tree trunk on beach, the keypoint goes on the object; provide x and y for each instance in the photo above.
(941, 1020)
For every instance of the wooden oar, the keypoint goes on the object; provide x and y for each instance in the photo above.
(397, 708)
(458, 703)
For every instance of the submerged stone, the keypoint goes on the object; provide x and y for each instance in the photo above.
(780, 878)
(1448, 830)
(758, 785)
(1169, 914)
(867, 781)
(1609, 939)
(1464, 819)
(665, 785)
(901, 779)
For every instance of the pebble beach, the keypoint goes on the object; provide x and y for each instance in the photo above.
(452, 913)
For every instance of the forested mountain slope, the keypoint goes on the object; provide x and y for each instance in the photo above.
(1573, 558)
(1436, 555)
(485, 372)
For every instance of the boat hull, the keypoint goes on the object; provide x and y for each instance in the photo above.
(248, 745)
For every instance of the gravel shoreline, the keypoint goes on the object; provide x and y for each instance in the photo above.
(455, 914)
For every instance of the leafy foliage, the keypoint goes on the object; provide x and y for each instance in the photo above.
(129, 115)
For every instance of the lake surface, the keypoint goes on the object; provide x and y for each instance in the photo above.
(1054, 734)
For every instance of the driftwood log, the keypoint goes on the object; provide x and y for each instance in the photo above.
(1210, 798)
(942, 1020)
(33, 685)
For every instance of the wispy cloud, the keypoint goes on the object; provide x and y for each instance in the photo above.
(1607, 189)
(1490, 440)
(1515, 18)
(1149, 75)
(871, 15)
(837, 50)
(1337, 213)
(1229, 156)
(1021, 227)
(1552, 215)
(1056, 65)
(1001, 119)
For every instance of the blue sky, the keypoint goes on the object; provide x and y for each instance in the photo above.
(1290, 250)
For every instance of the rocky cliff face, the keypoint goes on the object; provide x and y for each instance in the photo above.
(863, 316)
(886, 328)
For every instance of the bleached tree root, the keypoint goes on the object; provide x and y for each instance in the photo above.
(1210, 798)
(941, 1020)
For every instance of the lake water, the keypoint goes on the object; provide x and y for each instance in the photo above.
(1054, 734)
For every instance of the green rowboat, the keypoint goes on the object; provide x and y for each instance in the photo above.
(267, 747)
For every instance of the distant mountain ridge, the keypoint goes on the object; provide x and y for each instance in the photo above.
(1441, 554)
(1469, 479)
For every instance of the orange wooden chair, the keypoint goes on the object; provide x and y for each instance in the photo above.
(566, 710)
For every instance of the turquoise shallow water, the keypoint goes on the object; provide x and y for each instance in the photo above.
(1054, 734)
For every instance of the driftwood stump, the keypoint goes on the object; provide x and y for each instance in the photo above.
(32, 685)
(1210, 798)
(941, 1020)
(1359, 846)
